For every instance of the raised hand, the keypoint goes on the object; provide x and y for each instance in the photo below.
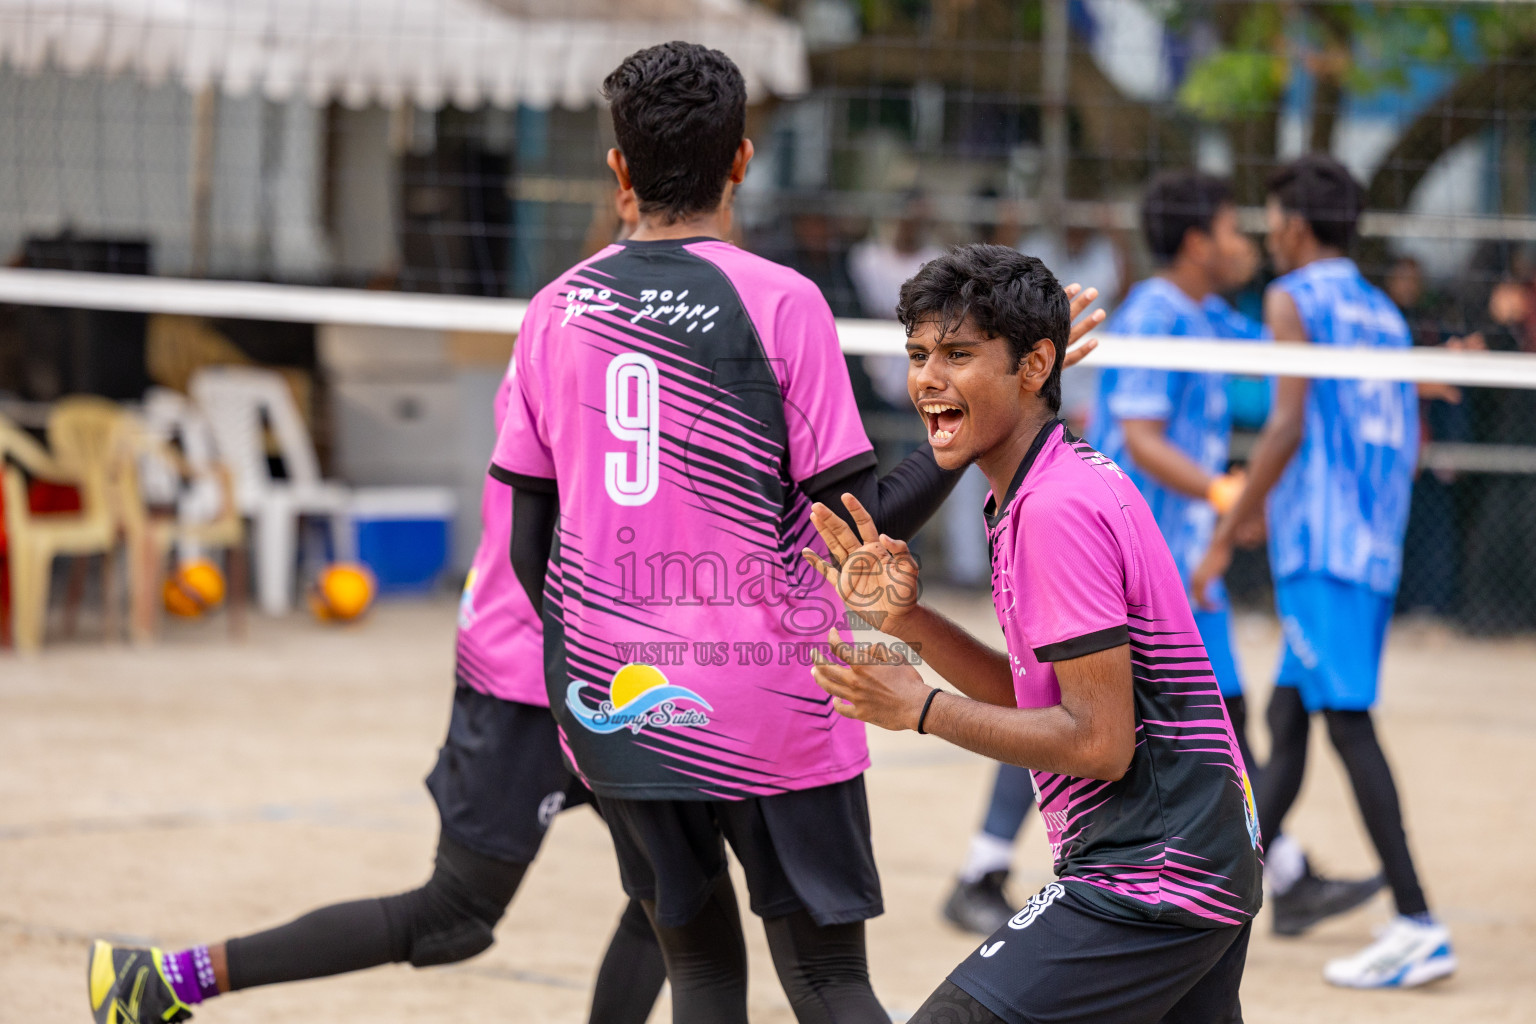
(875, 575)
(1081, 298)
(871, 683)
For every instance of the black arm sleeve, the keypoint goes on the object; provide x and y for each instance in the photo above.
(534, 515)
(899, 502)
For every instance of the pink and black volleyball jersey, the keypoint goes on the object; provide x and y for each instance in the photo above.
(499, 647)
(1080, 566)
(681, 397)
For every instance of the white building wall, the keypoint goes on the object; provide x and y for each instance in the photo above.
(113, 156)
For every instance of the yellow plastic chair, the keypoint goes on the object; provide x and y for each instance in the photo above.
(82, 434)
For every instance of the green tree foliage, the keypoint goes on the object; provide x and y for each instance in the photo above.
(1361, 47)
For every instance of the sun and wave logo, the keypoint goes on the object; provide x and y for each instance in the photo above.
(1250, 812)
(639, 696)
(467, 614)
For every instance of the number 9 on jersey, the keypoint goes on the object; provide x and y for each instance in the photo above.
(633, 411)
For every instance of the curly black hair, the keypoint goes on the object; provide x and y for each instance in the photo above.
(679, 114)
(1178, 202)
(1323, 193)
(1002, 292)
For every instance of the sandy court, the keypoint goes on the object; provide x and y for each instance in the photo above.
(203, 789)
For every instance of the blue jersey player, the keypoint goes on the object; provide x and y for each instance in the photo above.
(1335, 461)
(1170, 431)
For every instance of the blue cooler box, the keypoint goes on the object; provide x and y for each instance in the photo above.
(403, 535)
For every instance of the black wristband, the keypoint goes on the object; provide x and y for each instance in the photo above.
(926, 705)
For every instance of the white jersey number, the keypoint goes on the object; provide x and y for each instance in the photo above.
(1383, 420)
(634, 417)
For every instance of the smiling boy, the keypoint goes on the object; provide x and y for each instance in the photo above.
(1105, 692)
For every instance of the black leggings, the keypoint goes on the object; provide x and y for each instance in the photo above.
(951, 1004)
(1354, 737)
(823, 969)
(449, 919)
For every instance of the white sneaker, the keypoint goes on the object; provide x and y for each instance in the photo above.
(1406, 953)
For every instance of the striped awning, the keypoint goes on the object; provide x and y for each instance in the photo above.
(426, 52)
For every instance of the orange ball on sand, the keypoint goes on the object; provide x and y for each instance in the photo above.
(342, 592)
(193, 589)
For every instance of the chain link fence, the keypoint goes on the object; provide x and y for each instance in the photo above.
(924, 123)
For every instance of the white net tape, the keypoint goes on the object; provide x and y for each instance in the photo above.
(859, 337)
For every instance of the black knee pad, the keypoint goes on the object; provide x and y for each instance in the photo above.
(451, 943)
(453, 916)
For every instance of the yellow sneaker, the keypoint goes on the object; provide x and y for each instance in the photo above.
(127, 985)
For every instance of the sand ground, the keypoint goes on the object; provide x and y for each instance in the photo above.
(202, 789)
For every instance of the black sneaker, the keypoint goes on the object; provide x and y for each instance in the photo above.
(127, 986)
(1314, 898)
(979, 906)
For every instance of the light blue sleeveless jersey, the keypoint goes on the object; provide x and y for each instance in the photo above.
(1193, 405)
(1341, 506)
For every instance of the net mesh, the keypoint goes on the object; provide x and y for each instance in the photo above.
(923, 123)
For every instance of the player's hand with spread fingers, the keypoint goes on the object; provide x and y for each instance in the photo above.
(1081, 298)
(875, 575)
(872, 683)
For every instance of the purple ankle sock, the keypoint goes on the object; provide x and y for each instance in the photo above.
(190, 973)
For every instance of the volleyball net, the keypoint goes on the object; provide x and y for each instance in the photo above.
(1470, 555)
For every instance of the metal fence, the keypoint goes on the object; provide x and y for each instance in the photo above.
(924, 123)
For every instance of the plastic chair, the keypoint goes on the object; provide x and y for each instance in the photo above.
(82, 433)
(199, 491)
(242, 405)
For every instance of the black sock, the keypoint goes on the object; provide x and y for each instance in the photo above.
(1354, 737)
(824, 970)
(632, 972)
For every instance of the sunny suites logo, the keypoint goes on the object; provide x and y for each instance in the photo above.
(639, 696)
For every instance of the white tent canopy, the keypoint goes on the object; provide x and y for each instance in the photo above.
(426, 52)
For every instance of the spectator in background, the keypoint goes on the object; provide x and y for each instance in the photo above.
(1432, 544)
(879, 265)
(815, 248)
(1084, 256)
(1501, 529)
(818, 254)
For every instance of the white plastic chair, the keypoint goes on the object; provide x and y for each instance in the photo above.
(170, 417)
(242, 405)
(173, 462)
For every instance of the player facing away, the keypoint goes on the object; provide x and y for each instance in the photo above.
(498, 783)
(1105, 691)
(1170, 432)
(679, 405)
(1333, 471)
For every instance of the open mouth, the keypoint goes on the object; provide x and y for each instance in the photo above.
(944, 420)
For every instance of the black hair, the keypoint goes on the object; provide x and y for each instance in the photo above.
(1002, 292)
(1321, 191)
(679, 114)
(1176, 203)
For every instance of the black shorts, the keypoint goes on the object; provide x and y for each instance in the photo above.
(804, 850)
(1062, 960)
(499, 779)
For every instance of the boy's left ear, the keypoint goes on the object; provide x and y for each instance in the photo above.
(739, 164)
(1038, 364)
